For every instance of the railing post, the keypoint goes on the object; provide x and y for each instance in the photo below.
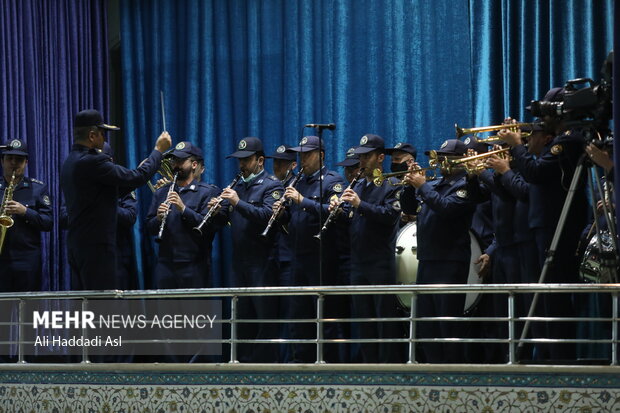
(614, 329)
(85, 332)
(512, 357)
(233, 329)
(319, 328)
(20, 333)
(412, 328)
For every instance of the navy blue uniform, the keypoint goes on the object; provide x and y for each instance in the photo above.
(303, 225)
(92, 184)
(549, 176)
(372, 229)
(20, 261)
(127, 213)
(255, 261)
(184, 259)
(444, 254)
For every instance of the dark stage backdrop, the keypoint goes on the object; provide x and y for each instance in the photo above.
(404, 69)
(53, 63)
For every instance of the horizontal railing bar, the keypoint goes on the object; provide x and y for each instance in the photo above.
(327, 290)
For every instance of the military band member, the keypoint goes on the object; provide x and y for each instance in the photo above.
(373, 213)
(351, 164)
(30, 210)
(91, 184)
(255, 258)
(309, 203)
(184, 259)
(444, 252)
(548, 164)
(403, 156)
(284, 166)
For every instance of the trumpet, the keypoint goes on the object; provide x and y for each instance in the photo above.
(473, 131)
(277, 211)
(162, 225)
(218, 202)
(452, 163)
(378, 177)
(332, 214)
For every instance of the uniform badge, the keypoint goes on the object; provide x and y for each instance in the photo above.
(242, 144)
(351, 152)
(15, 144)
(364, 140)
(398, 194)
(556, 149)
(398, 145)
(180, 145)
(338, 188)
(281, 149)
(276, 195)
(46, 200)
(461, 193)
(351, 214)
(133, 194)
(443, 145)
(303, 141)
(192, 187)
(417, 211)
(567, 133)
(396, 205)
(467, 141)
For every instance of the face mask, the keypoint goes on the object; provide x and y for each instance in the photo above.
(249, 178)
(398, 167)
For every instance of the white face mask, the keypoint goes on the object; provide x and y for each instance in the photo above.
(249, 177)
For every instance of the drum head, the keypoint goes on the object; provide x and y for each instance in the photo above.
(406, 260)
(472, 299)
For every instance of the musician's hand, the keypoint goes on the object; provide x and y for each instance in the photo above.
(164, 141)
(485, 265)
(407, 217)
(276, 205)
(161, 211)
(415, 179)
(230, 195)
(500, 165)
(293, 194)
(333, 203)
(175, 199)
(511, 137)
(212, 202)
(599, 207)
(600, 157)
(161, 182)
(351, 197)
(15, 208)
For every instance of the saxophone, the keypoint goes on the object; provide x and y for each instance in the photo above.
(6, 221)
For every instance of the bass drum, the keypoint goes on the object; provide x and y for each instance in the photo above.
(407, 265)
(599, 264)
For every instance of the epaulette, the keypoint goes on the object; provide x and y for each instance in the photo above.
(36, 181)
(273, 178)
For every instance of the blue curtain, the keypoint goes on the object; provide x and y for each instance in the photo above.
(54, 63)
(404, 69)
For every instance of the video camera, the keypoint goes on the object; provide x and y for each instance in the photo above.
(590, 104)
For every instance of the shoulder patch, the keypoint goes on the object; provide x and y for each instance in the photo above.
(276, 195)
(556, 149)
(338, 187)
(46, 200)
(461, 193)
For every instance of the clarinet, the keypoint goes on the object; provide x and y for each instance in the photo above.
(215, 206)
(277, 211)
(162, 225)
(332, 215)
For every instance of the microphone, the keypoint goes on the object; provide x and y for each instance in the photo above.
(330, 126)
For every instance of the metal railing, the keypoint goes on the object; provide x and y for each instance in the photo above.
(319, 321)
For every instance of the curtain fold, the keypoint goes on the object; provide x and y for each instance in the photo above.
(54, 63)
